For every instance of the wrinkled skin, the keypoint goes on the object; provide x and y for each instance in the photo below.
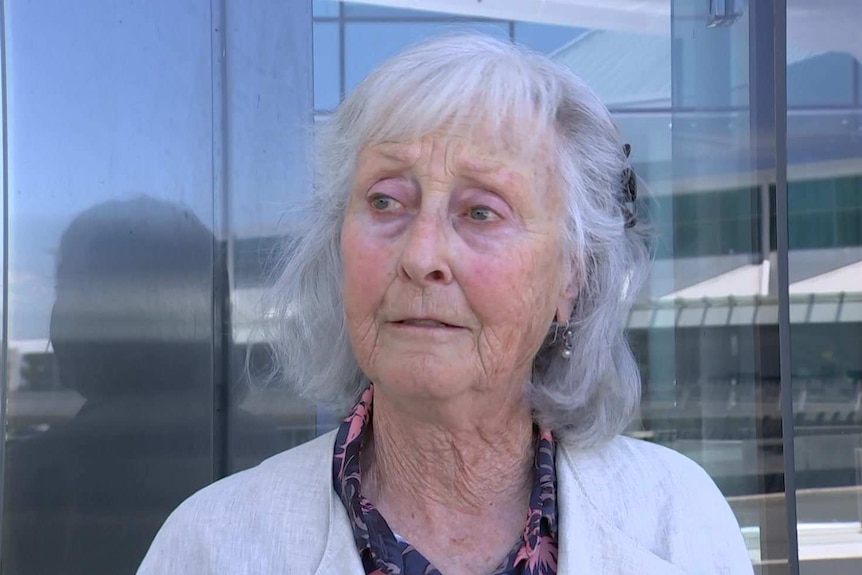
(452, 229)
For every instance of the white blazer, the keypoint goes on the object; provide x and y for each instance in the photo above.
(626, 508)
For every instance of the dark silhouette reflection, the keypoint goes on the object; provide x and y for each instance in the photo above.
(137, 331)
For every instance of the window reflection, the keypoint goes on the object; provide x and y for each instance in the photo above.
(117, 433)
(390, 37)
(124, 392)
(825, 236)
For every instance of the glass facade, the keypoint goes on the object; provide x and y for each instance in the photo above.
(824, 205)
(148, 149)
(150, 152)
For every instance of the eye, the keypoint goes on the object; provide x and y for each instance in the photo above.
(382, 202)
(482, 214)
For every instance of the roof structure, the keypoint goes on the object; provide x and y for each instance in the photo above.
(633, 70)
(846, 279)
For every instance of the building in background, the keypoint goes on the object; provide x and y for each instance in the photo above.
(211, 110)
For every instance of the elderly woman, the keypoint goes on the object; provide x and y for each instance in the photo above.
(462, 281)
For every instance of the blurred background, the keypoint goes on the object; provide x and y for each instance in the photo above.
(151, 153)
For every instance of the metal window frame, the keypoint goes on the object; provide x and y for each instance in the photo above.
(779, 58)
(4, 302)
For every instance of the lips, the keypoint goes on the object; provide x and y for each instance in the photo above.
(429, 323)
(425, 323)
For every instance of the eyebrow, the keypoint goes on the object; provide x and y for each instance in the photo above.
(496, 170)
(480, 165)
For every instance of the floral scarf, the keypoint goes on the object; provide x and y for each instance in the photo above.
(383, 553)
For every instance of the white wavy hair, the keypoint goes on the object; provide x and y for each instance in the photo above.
(481, 81)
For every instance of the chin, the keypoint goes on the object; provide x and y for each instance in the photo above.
(429, 378)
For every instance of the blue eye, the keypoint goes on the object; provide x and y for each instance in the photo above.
(382, 203)
(481, 214)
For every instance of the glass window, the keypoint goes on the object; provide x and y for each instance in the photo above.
(127, 323)
(359, 11)
(109, 401)
(858, 91)
(848, 192)
(825, 259)
(327, 66)
(268, 104)
(848, 227)
(546, 38)
(631, 72)
(325, 8)
(368, 44)
(818, 79)
(811, 195)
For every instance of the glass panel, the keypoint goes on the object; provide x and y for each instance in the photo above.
(269, 111)
(818, 79)
(712, 388)
(546, 38)
(368, 44)
(640, 76)
(109, 411)
(143, 197)
(825, 236)
(327, 68)
(325, 8)
(857, 96)
(361, 10)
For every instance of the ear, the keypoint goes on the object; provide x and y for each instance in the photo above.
(566, 300)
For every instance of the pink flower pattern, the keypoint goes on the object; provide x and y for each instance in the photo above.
(383, 553)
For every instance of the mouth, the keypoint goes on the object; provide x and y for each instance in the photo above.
(426, 323)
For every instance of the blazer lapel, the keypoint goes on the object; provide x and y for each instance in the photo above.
(340, 555)
(589, 543)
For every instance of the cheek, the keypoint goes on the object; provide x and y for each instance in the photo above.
(513, 291)
(367, 272)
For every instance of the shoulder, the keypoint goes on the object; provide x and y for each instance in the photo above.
(293, 476)
(638, 465)
(660, 499)
(625, 473)
(274, 513)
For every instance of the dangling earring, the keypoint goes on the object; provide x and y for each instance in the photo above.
(568, 341)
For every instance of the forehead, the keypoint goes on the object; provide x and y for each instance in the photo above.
(478, 149)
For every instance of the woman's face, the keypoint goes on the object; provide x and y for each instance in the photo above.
(453, 264)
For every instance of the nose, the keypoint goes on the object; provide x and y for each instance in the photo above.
(425, 259)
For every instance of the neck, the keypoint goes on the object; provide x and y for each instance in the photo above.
(471, 457)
